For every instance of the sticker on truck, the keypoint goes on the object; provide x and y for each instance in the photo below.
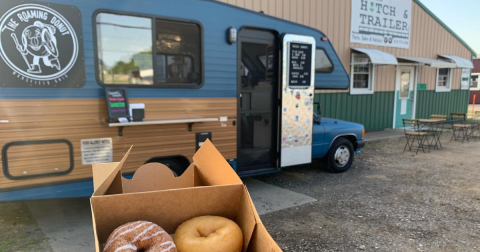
(96, 150)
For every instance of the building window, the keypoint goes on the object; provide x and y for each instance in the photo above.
(322, 62)
(134, 51)
(124, 45)
(444, 80)
(362, 72)
(474, 82)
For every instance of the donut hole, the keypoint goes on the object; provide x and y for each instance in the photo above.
(206, 231)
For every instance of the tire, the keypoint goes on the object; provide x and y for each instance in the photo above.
(340, 155)
(174, 165)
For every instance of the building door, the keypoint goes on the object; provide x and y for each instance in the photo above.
(257, 101)
(404, 94)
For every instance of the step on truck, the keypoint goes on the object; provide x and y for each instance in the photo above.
(84, 80)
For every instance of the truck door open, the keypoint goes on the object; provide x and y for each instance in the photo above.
(257, 101)
(298, 80)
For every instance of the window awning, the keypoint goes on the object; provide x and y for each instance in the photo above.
(378, 57)
(459, 61)
(429, 62)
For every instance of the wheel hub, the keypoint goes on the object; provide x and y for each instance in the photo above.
(342, 155)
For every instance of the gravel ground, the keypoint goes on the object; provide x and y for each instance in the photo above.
(387, 201)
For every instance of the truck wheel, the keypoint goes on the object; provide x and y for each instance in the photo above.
(340, 156)
(173, 164)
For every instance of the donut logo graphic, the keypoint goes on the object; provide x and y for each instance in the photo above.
(38, 44)
(38, 41)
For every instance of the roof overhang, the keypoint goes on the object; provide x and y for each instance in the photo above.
(429, 62)
(378, 57)
(459, 61)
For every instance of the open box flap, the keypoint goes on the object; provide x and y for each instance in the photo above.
(212, 167)
(101, 173)
(97, 245)
(255, 213)
(105, 174)
(262, 241)
(156, 176)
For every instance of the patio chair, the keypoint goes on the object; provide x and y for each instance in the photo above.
(460, 127)
(444, 117)
(414, 135)
(458, 116)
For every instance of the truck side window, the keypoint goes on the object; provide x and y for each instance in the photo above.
(124, 45)
(148, 51)
(322, 62)
(178, 52)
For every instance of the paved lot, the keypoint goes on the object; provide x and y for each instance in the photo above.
(388, 201)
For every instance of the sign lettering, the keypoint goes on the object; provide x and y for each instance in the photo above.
(381, 22)
(300, 60)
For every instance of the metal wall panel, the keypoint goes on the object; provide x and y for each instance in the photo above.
(374, 111)
(431, 102)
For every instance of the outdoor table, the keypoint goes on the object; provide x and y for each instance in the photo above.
(432, 125)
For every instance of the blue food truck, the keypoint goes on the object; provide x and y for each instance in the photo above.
(84, 80)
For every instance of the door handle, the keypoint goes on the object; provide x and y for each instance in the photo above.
(241, 105)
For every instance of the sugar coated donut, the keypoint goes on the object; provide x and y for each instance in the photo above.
(139, 236)
(208, 234)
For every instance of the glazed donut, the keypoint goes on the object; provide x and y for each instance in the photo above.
(141, 236)
(208, 234)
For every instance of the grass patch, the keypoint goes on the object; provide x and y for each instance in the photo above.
(19, 230)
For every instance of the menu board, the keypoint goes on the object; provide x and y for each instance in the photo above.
(300, 65)
(117, 103)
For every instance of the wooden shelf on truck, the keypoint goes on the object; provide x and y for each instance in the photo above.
(189, 121)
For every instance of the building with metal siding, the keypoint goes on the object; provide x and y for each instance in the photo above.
(430, 37)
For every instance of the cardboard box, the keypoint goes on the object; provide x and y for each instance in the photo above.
(208, 187)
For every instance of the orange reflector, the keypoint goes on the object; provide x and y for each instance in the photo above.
(363, 133)
(324, 38)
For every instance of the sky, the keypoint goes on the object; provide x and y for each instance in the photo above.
(462, 16)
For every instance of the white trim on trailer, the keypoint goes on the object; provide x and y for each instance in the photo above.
(371, 76)
(414, 86)
(414, 107)
(429, 62)
(395, 99)
(459, 61)
(378, 57)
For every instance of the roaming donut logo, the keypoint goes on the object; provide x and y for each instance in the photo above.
(38, 44)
